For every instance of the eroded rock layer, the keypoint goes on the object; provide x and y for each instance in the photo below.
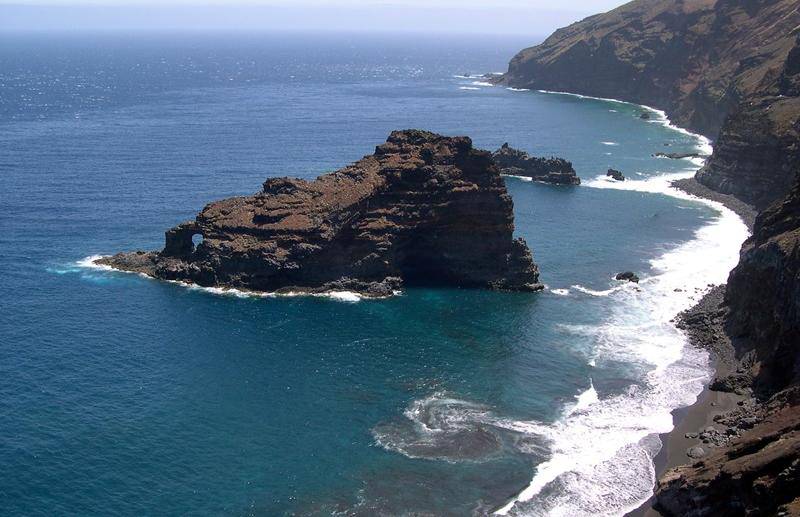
(424, 209)
(721, 67)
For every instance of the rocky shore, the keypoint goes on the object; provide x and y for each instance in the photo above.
(424, 209)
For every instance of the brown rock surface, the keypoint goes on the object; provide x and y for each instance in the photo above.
(423, 210)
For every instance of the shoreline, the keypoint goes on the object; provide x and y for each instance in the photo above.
(703, 326)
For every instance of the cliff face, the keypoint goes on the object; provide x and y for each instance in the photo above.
(764, 296)
(424, 209)
(726, 67)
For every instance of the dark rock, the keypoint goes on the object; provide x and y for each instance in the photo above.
(423, 210)
(514, 162)
(645, 116)
(732, 383)
(696, 452)
(764, 296)
(615, 174)
(627, 276)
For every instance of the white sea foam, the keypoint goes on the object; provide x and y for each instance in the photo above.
(90, 262)
(560, 292)
(523, 178)
(481, 83)
(468, 88)
(584, 400)
(518, 89)
(610, 143)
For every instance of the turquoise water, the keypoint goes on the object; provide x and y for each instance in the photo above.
(123, 395)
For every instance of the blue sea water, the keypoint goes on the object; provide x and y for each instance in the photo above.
(123, 395)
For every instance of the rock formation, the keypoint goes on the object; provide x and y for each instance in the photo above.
(726, 67)
(423, 210)
(615, 175)
(627, 276)
(514, 162)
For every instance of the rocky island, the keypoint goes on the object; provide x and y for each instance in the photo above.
(729, 69)
(514, 162)
(424, 209)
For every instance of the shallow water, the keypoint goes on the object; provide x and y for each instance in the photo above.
(120, 394)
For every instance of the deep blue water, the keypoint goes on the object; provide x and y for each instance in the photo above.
(122, 395)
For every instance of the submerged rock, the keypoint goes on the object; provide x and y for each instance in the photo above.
(423, 210)
(514, 162)
(627, 276)
(615, 175)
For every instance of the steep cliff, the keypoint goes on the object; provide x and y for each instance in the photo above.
(721, 67)
(424, 209)
(764, 296)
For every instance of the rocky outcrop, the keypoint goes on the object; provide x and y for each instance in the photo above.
(720, 67)
(423, 210)
(514, 162)
(615, 175)
(627, 276)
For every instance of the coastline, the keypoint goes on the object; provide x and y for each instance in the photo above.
(703, 326)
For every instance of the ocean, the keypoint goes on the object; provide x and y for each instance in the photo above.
(125, 395)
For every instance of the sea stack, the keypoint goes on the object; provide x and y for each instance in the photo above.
(424, 209)
(514, 162)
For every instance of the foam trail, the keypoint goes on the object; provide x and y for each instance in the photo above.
(90, 262)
